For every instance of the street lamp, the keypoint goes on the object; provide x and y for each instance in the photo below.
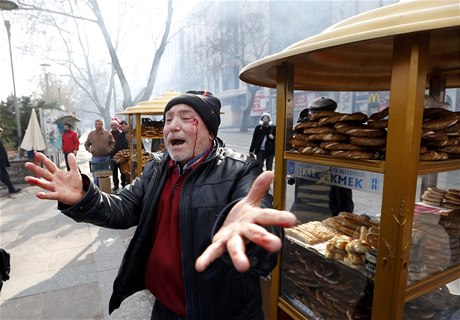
(45, 65)
(10, 5)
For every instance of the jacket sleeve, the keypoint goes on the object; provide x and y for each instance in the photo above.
(262, 261)
(76, 142)
(120, 211)
(111, 143)
(88, 143)
(253, 142)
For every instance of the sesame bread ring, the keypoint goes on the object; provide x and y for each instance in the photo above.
(432, 155)
(333, 145)
(449, 205)
(431, 135)
(353, 154)
(434, 112)
(444, 120)
(326, 121)
(452, 150)
(328, 137)
(322, 114)
(300, 136)
(453, 130)
(313, 150)
(452, 197)
(378, 124)
(327, 271)
(342, 126)
(434, 194)
(368, 142)
(444, 143)
(428, 197)
(437, 190)
(302, 125)
(319, 130)
(366, 132)
(379, 115)
(302, 143)
(354, 117)
(436, 204)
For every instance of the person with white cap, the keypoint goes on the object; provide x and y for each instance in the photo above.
(206, 230)
(263, 141)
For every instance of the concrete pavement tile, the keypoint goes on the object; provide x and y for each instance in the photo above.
(65, 241)
(47, 281)
(25, 263)
(7, 237)
(29, 307)
(78, 302)
(71, 257)
(108, 254)
(137, 306)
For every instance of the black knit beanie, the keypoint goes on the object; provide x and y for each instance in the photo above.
(204, 103)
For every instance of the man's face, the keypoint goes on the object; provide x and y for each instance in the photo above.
(98, 125)
(124, 127)
(66, 128)
(185, 133)
(114, 126)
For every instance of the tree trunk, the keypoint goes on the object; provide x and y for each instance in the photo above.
(251, 91)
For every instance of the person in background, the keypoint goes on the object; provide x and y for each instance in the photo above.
(121, 143)
(206, 231)
(5, 163)
(70, 143)
(100, 144)
(263, 142)
(115, 131)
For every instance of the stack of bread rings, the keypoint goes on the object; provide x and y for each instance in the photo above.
(340, 135)
(357, 136)
(440, 134)
(328, 289)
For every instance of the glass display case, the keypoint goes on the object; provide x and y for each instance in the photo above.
(392, 251)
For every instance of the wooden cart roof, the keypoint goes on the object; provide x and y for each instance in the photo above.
(155, 106)
(356, 54)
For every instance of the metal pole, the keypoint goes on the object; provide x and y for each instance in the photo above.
(15, 102)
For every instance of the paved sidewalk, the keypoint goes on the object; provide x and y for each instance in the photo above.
(60, 269)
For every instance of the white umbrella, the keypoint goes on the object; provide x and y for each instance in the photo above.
(33, 139)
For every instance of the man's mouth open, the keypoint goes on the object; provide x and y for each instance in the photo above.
(177, 142)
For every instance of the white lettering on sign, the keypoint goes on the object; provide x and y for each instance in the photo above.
(349, 178)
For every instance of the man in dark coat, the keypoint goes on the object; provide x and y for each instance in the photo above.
(4, 163)
(121, 143)
(205, 227)
(263, 142)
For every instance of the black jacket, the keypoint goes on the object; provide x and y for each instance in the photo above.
(121, 142)
(258, 136)
(220, 292)
(4, 162)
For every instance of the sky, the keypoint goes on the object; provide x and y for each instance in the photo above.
(28, 71)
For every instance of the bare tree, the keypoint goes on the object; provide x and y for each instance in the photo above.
(238, 36)
(70, 19)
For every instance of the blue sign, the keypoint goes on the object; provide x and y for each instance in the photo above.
(342, 177)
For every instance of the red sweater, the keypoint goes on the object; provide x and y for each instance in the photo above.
(70, 142)
(163, 277)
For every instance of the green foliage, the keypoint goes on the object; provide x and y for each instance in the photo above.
(8, 117)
